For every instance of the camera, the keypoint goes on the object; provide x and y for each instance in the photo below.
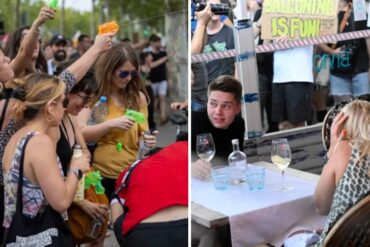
(216, 8)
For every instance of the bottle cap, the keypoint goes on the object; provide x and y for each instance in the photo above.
(77, 146)
(103, 99)
(235, 141)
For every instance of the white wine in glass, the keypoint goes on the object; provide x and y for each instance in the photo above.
(281, 156)
(205, 147)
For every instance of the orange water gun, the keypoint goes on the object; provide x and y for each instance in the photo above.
(109, 27)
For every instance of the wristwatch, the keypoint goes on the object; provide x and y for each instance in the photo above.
(77, 172)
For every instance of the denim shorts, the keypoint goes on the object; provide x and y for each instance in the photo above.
(159, 88)
(355, 85)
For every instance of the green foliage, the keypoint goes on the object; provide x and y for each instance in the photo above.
(132, 15)
(74, 20)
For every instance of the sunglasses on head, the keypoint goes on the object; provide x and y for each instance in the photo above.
(124, 73)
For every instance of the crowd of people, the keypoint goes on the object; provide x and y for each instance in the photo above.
(48, 108)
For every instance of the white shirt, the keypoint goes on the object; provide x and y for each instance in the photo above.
(293, 65)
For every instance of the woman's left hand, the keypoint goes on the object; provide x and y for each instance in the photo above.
(150, 140)
(95, 210)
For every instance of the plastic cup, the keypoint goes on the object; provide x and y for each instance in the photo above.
(256, 178)
(221, 177)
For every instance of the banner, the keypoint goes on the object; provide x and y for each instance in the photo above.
(299, 19)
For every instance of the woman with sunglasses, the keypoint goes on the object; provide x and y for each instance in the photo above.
(41, 107)
(118, 136)
(68, 134)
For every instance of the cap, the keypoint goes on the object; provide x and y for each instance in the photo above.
(235, 141)
(57, 39)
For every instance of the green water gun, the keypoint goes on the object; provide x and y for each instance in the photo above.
(94, 178)
(52, 4)
(137, 116)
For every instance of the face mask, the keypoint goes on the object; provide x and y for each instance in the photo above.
(60, 55)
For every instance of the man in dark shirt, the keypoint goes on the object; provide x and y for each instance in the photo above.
(221, 120)
(158, 75)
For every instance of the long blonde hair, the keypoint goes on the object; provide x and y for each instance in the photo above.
(358, 125)
(37, 90)
(105, 67)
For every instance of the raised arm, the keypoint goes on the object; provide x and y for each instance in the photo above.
(74, 73)
(200, 35)
(29, 43)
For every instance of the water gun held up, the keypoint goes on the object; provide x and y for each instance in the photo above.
(108, 27)
(52, 3)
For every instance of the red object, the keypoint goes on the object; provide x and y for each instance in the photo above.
(158, 182)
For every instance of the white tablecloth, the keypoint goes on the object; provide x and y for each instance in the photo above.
(265, 216)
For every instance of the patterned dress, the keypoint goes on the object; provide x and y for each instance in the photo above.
(33, 199)
(352, 187)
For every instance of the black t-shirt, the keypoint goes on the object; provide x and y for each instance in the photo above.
(158, 74)
(222, 137)
(221, 41)
(359, 62)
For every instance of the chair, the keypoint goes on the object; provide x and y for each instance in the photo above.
(353, 228)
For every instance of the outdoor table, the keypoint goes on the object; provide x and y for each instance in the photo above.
(256, 217)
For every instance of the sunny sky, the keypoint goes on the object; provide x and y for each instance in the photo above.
(82, 5)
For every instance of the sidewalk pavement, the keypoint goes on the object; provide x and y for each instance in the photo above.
(167, 135)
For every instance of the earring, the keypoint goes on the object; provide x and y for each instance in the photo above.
(1, 87)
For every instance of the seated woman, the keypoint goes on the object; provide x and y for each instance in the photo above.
(345, 178)
(43, 182)
(156, 197)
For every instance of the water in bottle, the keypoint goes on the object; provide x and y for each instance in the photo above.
(77, 152)
(238, 164)
(99, 111)
(95, 228)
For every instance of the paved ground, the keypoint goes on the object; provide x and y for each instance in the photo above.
(167, 135)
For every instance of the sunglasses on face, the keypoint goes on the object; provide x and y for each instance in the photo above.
(85, 99)
(125, 73)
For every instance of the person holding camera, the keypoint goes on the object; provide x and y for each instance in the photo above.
(349, 78)
(220, 37)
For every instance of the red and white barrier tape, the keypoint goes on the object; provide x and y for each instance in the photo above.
(333, 38)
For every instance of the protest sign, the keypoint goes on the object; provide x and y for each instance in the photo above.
(299, 19)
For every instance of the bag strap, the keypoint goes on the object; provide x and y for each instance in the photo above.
(19, 206)
(124, 183)
(2, 118)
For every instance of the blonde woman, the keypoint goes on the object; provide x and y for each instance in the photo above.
(345, 178)
(43, 184)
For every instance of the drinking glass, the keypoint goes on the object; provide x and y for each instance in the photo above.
(281, 156)
(205, 147)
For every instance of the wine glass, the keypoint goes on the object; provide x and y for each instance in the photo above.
(281, 156)
(205, 147)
